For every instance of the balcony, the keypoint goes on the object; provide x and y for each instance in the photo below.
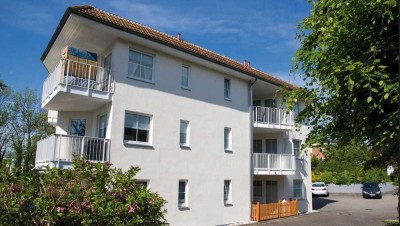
(273, 164)
(58, 150)
(74, 86)
(273, 118)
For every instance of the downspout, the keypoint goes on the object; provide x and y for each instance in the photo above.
(250, 90)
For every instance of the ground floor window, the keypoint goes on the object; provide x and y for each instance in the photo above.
(227, 192)
(257, 188)
(298, 192)
(183, 193)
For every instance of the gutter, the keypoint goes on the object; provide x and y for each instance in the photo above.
(250, 89)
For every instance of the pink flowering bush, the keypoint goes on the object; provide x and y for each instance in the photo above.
(88, 194)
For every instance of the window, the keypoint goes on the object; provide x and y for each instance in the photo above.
(257, 188)
(298, 189)
(182, 194)
(137, 128)
(102, 126)
(296, 147)
(140, 65)
(184, 133)
(296, 109)
(78, 127)
(227, 88)
(257, 146)
(227, 192)
(144, 183)
(227, 139)
(271, 146)
(185, 79)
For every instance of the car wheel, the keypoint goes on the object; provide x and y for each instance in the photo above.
(327, 194)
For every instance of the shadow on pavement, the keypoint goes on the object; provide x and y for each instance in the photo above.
(319, 203)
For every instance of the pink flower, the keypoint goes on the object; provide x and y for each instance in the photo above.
(86, 204)
(132, 208)
(152, 202)
(60, 209)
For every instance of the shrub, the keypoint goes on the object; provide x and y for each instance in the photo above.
(343, 178)
(327, 177)
(88, 194)
(374, 175)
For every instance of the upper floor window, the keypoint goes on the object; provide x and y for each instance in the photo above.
(78, 127)
(227, 192)
(140, 65)
(184, 133)
(257, 146)
(227, 88)
(185, 79)
(182, 193)
(227, 139)
(296, 109)
(137, 128)
(296, 147)
(298, 192)
(144, 183)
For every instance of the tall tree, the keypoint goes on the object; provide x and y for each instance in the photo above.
(27, 123)
(4, 131)
(348, 59)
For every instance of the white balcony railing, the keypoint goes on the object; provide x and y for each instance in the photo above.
(275, 116)
(78, 74)
(56, 148)
(274, 163)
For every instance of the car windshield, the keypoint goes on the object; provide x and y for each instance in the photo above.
(318, 185)
(370, 185)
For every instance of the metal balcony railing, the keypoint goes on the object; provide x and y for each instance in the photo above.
(78, 74)
(273, 162)
(62, 148)
(276, 116)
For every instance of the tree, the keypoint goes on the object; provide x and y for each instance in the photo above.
(348, 59)
(26, 123)
(4, 131)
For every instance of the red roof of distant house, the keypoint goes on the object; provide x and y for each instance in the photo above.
(129, 26)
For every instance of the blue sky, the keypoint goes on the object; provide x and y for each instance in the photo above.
(261, 31)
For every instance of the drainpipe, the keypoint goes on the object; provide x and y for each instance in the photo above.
(250, 89)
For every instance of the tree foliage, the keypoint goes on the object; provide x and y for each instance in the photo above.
(88, 194)
(348, 60)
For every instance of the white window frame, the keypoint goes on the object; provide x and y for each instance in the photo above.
(228, 200)
(152, 69)
(229, 89)
(188, 77)
(296, 188)
(297, 155)
(187, 143)
(140, 143)
(229, 148)
(70, 126)
(184, 204)
(144, 181)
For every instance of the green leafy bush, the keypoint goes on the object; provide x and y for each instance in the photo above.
(88, 194)
(374, 175)
(327, 177)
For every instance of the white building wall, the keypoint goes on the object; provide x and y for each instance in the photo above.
(205, 165)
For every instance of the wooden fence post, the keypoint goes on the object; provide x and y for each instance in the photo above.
(279, 208)
(258, 212)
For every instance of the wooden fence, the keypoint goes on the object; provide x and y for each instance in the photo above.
(262, 212)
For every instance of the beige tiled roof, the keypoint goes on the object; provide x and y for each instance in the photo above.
(149, 33)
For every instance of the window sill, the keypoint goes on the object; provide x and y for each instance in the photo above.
(183, 146)
(140, 144)
(185, 207)
(142, 80)
(228, 99)
(185, 88)
(228, 204)
(228, 150)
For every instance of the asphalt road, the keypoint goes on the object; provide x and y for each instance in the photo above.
(344, 210)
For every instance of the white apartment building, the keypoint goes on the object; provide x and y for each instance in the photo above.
(207, 132)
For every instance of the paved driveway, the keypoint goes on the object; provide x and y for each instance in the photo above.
(344, 210)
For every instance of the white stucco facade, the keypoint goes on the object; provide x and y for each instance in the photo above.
(204, 164)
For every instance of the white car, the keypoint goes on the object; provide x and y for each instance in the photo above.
(319, 188)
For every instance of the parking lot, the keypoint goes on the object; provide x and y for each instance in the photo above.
(344, 210)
